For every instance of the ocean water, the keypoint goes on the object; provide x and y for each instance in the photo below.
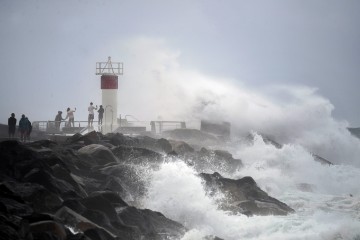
(326, 198)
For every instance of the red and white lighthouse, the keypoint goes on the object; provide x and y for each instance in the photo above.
(109, 72)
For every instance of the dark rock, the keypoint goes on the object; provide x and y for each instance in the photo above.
(244, 196)
(112, 197)
(50, 228)
(61, 173)
(120, 139)
(181, 148)
(75, 220)
(213, 161)
(101, 154)
(100, 234)
(40, 144)
(115, 185)
(41, 199)
(74, 138)
(50, 182)
(15, 207)
(153, 225)
(100, 203)
(270, 140)
(90, 138)
(192, 136)
(137, 155)
(158, 145)
(355, 132)
(321, 160)
(133, 179)
(14, 227)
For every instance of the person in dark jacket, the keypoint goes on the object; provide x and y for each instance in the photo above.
(29, 129)
(58, 119)
(12, 125)
(101, 114)
(23, 128)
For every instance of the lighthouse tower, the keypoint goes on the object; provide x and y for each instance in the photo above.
(109, 72)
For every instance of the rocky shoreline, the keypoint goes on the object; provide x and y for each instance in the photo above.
(89, 187)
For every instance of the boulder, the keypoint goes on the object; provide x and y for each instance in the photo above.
(158, 145)
(118, 139)
(13, 227)
(132, 177)
(51, 183)
(52, 228)
(137, 155)
(41, 199)
(190, 136)
(181, 147)
(243, 196)
(112, 197)
(213, 161)
(76, 221)
(100, 153)
(153, 225)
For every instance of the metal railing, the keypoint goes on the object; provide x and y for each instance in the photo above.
(63, 127)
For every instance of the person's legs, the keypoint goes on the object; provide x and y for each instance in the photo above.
(22, 135)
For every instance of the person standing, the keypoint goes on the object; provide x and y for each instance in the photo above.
(91, 109)
(23, 128)
(101, 114)
(29, 129)
(58, 119)
(12, 125)
(70, 115)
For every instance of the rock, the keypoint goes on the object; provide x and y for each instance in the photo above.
(42, 200)
(100, 153)
(74, 138)
(153, 225)
(90, 138)
(192, 136)
(113, 198)
(181, 147)
(244, 196)
(321, 160)
(50, 182)
(13, 227)
(76, 221)
(158, 145)
(119, 139)
(213, 161)
(115, 185)
(137, 155)
(100, 234)
(100, 203)
(133, 179)
(51, 227)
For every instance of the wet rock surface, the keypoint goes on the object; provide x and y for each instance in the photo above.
(243, 196)
(89, 187)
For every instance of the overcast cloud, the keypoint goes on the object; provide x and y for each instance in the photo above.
(49, 49)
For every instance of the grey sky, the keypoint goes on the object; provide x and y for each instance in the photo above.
(48, 49)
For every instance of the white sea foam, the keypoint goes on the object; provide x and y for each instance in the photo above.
(324, 211)
(326, 198)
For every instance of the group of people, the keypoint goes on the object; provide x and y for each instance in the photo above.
(70, 116)
(25, 127)
(91, 109)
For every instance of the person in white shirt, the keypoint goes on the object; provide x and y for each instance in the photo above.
(91, 109)
(70, 115)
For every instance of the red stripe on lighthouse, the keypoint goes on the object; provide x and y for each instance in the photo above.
(109, 82)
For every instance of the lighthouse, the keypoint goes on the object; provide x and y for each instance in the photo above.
(109, 72)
